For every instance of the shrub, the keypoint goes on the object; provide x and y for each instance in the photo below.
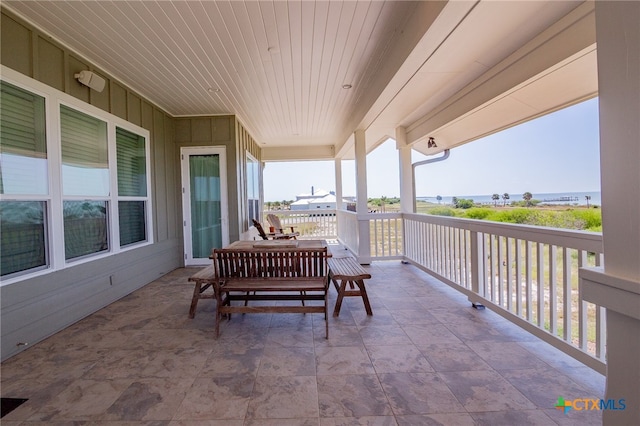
(442, 211)
(463, 203)
(480, 213)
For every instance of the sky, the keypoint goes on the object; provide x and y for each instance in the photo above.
(558, 152)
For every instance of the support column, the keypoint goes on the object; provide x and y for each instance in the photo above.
(364, 239)
(407, 194)
(617, 285)
(338, 171)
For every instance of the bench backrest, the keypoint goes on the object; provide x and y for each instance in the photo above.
(270, 263)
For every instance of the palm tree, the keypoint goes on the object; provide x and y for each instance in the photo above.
(527, 196)
(588, 198)
(495, 198)
(505, 197)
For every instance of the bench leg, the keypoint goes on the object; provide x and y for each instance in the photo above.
(194, 299)
(341, 290)
(326, 313)
(365, 298)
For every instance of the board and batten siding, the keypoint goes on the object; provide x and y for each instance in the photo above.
(35, 308)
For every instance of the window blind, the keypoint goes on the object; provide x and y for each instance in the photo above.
(23, 145)
(84, 139)
(132, 174)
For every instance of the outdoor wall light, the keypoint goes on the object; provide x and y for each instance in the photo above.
(91, 80)
(431, 143)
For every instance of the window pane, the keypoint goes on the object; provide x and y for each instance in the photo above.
(23, 146)
(85, 167)
(132, 165)
(132, 222)
(252, 179)
(85, 228)
(22, 236)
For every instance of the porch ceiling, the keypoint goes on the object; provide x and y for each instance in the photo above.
(454, 70)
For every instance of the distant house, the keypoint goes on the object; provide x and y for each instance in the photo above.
(320, 199)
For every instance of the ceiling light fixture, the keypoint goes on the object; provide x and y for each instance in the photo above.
(212, 90)
(347, 86)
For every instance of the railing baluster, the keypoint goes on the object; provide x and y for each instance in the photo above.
(518, 255)
(553, 290)
(529, 278)
(540, 278)
(582, 306)
(601, 328)
(509, 274)
(567, 295)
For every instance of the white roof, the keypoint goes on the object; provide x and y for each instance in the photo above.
(319, 194)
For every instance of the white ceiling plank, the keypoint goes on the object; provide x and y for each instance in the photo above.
(405, 59)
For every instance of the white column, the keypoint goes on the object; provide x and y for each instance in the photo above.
(338, 170)
(360, 147)
(617, 286)
(407, 195)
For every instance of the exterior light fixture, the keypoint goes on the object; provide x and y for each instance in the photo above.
(431, 143)
(91, 79)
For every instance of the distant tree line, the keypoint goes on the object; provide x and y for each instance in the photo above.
(465, 203)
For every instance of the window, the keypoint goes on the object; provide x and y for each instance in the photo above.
(23, 181)
(85, 174)
(66, 197)
(132, 186)
(253, 189)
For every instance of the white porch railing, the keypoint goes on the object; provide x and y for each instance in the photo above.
(527, 274)
(320, 223)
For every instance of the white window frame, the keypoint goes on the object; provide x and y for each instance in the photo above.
(55, 230)
(248, 219)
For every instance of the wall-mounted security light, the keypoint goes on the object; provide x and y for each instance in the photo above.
(431, 143)
(91, 79)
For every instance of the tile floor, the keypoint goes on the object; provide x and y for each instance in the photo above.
(424, 358)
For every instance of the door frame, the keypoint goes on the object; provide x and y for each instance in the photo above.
(185, 153)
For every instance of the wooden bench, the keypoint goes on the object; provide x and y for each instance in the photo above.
(280, 274)
(204, 279)
(348, 271)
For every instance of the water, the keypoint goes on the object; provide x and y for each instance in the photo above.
(554, 198)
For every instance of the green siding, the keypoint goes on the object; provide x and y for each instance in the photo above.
(37, 307)
(16, 46)
(50, 64)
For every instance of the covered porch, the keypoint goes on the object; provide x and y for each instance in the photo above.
(424, 357)
(182, 75)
